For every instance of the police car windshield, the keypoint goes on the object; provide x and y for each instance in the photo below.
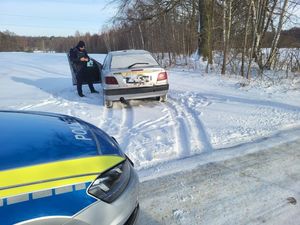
(106, 145)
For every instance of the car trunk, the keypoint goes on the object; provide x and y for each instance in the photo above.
(138, 77)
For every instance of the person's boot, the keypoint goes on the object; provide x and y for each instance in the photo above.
(92, 89)
(81, 95)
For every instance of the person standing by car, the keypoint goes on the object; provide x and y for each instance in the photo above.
(81, 58)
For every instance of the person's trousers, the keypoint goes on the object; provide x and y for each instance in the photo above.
(80, 79)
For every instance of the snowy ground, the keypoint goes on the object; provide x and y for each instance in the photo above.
(206, 114)
(257, 188)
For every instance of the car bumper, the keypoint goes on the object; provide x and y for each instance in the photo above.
(123, 211)
(135, 93)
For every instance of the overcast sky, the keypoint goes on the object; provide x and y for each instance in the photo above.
(54, 17)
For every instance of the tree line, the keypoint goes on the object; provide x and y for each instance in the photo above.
(12, 42)
(100, 43)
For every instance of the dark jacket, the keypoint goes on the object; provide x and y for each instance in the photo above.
(80, 66)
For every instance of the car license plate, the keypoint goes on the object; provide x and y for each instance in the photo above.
(136, 79)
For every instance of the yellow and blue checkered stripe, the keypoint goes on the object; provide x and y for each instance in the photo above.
(56, 188)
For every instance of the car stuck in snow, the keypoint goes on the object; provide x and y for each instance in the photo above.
(132, 74)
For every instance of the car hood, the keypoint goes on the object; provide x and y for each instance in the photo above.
(30, 138)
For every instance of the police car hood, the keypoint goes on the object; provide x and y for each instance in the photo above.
(30, 138)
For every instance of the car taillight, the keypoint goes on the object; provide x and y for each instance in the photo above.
(111, 80)
(162, 76)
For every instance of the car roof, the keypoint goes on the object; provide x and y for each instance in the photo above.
(29, 138)
(129, 51)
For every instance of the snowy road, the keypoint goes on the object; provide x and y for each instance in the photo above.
(259, 188)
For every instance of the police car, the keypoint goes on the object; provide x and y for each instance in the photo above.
(132, 74)
(57, 169)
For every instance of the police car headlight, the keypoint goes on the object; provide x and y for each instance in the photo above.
(110, 184)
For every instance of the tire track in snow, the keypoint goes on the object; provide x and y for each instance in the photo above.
(126, 126)
(45, 102)
(201, 133)
(106, 119)
(52, 100)
(145, 125)
(188, 118)
(141, 138)
(191, 129)
(118, 123)
(182, 143)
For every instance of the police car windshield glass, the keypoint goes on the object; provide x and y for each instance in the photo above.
(105, 144)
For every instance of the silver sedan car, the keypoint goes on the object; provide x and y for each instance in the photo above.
(132, 74)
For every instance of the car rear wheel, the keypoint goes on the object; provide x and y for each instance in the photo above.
(107, 103)
(163, 98)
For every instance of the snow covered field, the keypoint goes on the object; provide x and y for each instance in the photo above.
(206, 115)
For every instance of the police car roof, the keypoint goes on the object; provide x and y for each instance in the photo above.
(29, 138)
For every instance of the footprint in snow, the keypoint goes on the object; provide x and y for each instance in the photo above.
(292, 200)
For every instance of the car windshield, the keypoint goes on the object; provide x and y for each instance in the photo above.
(105, 144)
(132, 61)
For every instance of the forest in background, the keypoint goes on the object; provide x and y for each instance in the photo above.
(97, 43)
(237, 28)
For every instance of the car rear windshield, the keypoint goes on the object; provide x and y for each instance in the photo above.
(133, 61)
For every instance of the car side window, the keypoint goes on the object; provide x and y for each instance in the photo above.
(106, 62)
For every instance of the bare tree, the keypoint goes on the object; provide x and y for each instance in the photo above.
(274, 48)
(245, 42)
(227, 20)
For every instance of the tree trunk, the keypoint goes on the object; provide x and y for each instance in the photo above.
(254, 31)
(227, 21)
(142, 38)
(210, 31)
(245, 47)
(202, 42)
(274, 48)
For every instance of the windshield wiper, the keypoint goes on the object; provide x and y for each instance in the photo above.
(143, 63)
